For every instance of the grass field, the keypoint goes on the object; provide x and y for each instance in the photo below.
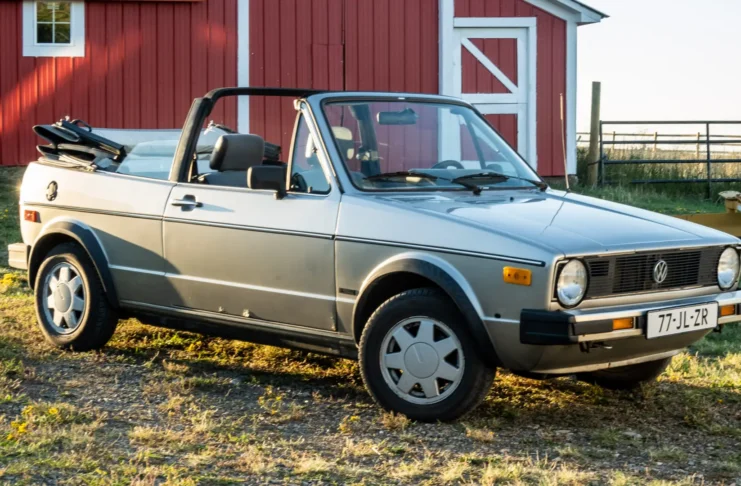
(162, 407)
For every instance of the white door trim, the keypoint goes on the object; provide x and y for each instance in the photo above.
(243, 64)
(523, 100)
(494, 22)
(571, 73)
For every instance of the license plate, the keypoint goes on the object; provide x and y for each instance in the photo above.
(666, 322)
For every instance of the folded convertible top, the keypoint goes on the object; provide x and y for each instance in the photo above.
(72, 143)
(75, 139)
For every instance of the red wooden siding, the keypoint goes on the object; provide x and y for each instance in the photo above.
(339, 45)
(551, 79)
(393, 46)
(293, 44)
(506, 125)
(143, 65)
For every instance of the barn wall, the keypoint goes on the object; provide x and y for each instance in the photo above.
(551, 80)
(293, 44)
(339, 45)
(388, 45)
(144, 63)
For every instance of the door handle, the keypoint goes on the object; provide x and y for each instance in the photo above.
(187, 202)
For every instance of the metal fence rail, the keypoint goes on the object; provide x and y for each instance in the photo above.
(709, 141)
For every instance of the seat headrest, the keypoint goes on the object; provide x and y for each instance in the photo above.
(343, 136)
(237, 152)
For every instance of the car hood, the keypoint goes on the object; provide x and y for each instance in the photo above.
(565, 222)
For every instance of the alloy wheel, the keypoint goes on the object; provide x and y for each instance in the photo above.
(65, 300)
(422, 360)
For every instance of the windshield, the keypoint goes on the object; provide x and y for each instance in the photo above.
(408, 145)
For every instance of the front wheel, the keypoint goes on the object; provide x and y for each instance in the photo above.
(71, 306)
(417, 358)
(626, 377)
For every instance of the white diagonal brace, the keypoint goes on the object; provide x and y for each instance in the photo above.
(481, 57)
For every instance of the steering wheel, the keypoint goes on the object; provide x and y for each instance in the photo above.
(448, 164)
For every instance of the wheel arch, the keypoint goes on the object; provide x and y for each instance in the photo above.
(62, 231)
(418, 270)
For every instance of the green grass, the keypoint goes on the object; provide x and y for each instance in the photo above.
(10, 180)
(163, 407)
(653, 200)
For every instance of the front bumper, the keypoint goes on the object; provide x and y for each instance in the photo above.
(575, 326)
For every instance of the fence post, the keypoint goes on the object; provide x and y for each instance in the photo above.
(613, 147)
(601, 165)
(697, 150)
(707, 144)
(594, 135)
(656, 138)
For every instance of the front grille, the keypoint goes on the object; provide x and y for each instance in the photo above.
(631, 274)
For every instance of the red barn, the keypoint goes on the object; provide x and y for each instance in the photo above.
(138, 64)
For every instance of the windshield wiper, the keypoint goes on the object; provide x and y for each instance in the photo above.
(422, 175)
(503, 177)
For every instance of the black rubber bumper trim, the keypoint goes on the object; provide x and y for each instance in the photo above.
(556, 328)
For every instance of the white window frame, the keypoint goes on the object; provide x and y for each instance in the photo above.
(76, 46)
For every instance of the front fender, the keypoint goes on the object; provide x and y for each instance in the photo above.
(445, 276)
(60, 230)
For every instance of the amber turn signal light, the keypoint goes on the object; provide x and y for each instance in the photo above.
(626, 323)
(727, 310)
(31, 215)
(518, 276)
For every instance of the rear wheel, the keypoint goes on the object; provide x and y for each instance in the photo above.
(626, 377)
(71, 306)
(417, 358)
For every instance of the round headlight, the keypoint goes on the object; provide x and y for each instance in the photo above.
(728, 267)
(572, 283)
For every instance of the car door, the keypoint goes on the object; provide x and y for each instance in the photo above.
(246, 253)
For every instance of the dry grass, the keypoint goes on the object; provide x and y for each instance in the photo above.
(479, 434)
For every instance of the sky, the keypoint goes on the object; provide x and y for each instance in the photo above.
(662, 60)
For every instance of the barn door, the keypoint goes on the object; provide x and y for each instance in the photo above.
(491, 63)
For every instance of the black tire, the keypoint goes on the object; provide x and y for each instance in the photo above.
(626, 377)
(473, 385)
(97, 321)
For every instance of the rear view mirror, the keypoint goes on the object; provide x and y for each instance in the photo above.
(406, 117)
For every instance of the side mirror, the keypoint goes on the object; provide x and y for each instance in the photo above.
(268, 177)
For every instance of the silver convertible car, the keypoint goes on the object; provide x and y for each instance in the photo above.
(401, 230)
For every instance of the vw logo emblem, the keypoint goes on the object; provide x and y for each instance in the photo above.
(661, 270)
